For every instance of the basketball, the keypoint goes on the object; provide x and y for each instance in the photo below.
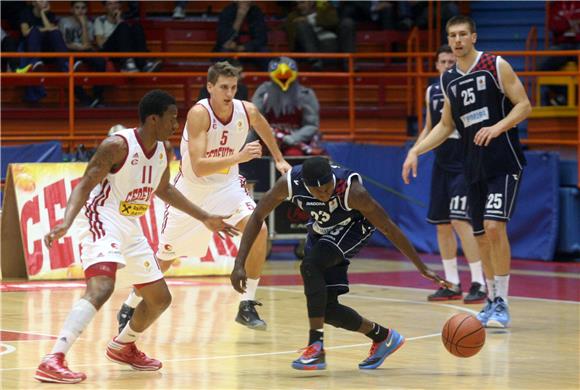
(463, 335)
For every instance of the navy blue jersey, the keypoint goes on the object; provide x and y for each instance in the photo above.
(448, 155)
(324, 216)
(477, 100)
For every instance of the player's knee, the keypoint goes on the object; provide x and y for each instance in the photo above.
(160, 301)
(99, 290)
(494, 230)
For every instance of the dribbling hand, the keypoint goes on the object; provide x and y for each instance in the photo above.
(55, 234)
(238, 278)
(431, 275)
(283, 166)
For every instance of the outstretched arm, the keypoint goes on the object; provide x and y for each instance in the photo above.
(361, 200)
(269, 202)
(111, 152)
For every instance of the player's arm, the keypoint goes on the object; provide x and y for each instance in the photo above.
(516, 93)
(110, 153)
(197, 126)
(269, 202)
(171, 195)
(436, 137)
(262, 127)
(361, 200)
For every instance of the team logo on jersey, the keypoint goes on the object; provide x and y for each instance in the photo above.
(147, 264)
(239, 125)
(333, 204)
(480, 81)
(168, 248)
(135, 159)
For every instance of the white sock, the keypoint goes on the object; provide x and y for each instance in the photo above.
(490, 289)
(133, 299)
(127, 335)
(451, 273)
(251, 287)
(502, 284)
(476, 272)
(77, 320)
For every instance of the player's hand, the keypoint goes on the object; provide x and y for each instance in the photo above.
(238, 278)
(431, 275)
(283, 166)
(484, 136)
(55, 234)
(410, 165)
(250, 151)
(216, 224)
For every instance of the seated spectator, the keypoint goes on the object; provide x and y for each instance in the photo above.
(78, 33)
(564, 24)
(113, 34)
(380, 12)
(9, 45)
(179, 10)
(314, 27)
(291, 109)
(416, 13)
(242, 28)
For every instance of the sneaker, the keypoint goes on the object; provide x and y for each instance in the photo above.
(477, 294)
(53, 368)
(127, 353)
(130, 66)
(24, 69)
(124, 316)
(152, 66)
(380, 351)
(178, 12)
(500, 314)
(248, 316)
(446, 294)
(313, 358)
(484, 314)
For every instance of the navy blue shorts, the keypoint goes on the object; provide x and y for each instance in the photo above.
(448, 196)
(348, 240)
(494, 199)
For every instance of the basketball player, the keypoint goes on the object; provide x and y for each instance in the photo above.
(448, 203)
(484, 100)
(115, 190)
(343, 217)
(212, 146)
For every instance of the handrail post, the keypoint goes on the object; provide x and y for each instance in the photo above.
(419, 94)
(71, 100)
(351, 113)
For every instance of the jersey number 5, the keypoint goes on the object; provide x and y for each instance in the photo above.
(224, 139)
(468, 96)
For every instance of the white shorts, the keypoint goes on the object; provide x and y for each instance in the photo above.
(184, 236)
(114, 238)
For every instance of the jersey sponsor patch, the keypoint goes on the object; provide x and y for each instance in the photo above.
(475, 117)
(481, 86)
(132, 209)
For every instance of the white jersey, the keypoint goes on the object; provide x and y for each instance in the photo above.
(127, 191)
(223, 139)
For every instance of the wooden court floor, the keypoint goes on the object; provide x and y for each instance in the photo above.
(201, 346)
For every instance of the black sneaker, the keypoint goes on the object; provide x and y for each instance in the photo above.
(124, 316)
(248, 316)
(446, 294)
(477, 294)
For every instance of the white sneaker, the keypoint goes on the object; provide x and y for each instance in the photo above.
(130, 66)
(178, 13)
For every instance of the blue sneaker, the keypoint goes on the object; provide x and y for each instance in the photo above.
(313, 358)
(484, 314)
(500, 315)
(380, 351)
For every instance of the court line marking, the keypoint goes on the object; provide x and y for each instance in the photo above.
(9, 349)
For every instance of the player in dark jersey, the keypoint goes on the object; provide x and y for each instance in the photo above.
(448, 199)
(343, 217)
(484, 100)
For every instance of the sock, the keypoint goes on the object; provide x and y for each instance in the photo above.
(476, 272)
(127, 335)
(502, 284)
(79, 317)
(251, 287)
(133, 299)
(378, 333)
(316, 335)
(451, 273)
(490, 289)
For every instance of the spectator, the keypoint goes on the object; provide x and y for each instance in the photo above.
(179, 10)
(564, 24)
(380, 12)
(291, 109)
(113, 34)
(242, 28)
(78, 33)
(9, 45)
(416, 13)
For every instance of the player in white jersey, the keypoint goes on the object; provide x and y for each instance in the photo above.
(212, 146)
(115, 190)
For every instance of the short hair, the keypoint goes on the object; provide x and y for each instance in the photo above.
(222, 68)
(155, 102)
(461, 19)
(443, 49)
(315, 168)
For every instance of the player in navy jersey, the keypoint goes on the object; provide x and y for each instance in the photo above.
(343, 217)
(448, 201)
(484, 100)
